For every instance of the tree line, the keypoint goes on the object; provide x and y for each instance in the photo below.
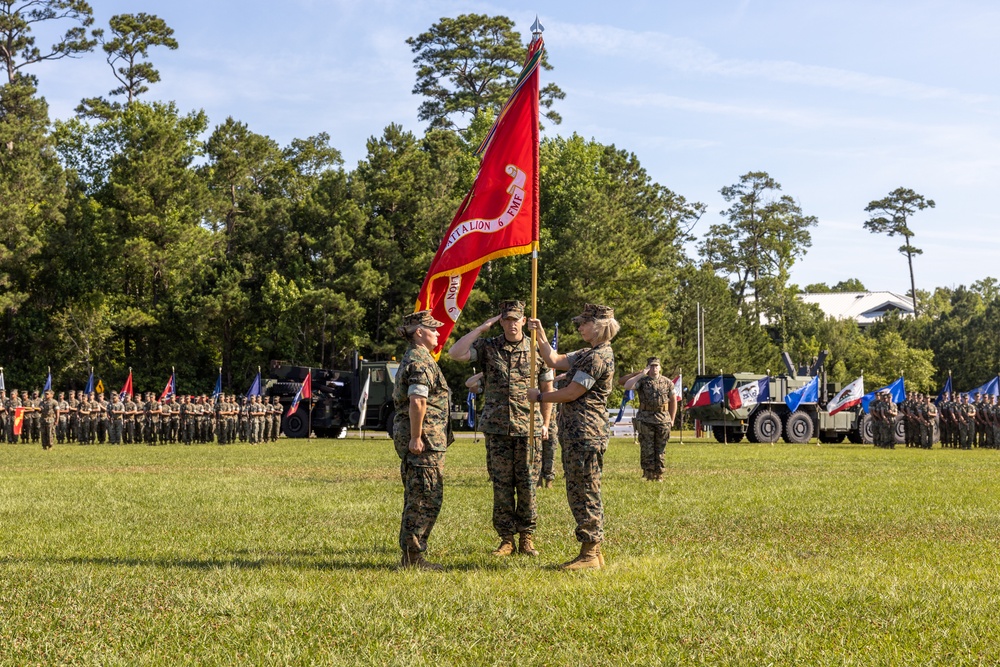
(140, 235)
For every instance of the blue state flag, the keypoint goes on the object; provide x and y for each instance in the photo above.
(629, 395)
(470, 401)
(947, 390)
(255, 387)
(48, 383)
(806, 394)
(89, 389)
(991, 388)
(896, 390)
(218, 387)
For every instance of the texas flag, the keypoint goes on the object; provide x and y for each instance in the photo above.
(710, 392)
(305, 391)
(750, 394)
(848, 397)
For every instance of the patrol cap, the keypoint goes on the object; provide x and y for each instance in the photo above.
(422, 318)
(594, 312)
(511, 308)
(653, 361)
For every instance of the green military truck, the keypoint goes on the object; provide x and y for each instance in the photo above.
(336, 396)
(772, 420)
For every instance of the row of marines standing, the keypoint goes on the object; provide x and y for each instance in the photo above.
(87, 418)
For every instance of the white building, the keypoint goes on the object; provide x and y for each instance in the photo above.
(863, 307)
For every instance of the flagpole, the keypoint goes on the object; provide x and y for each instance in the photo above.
(536, 34)
(680, 404)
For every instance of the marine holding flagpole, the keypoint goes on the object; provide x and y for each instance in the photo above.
(583, 423)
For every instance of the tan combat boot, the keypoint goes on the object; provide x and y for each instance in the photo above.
(506, 547)
(590, 558)
(415, 559)
(548, 484)
(526, 546)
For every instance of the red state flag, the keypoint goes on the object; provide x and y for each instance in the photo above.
(499, 215)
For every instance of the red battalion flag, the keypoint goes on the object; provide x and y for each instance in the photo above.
(18, 420)
(499, 215)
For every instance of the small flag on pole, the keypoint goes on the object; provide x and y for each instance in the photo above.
(847, 397)
(629, 395)
(89, 389)
(218, 386)
(470, 402)
(363, 403)
(170, 390)
(305, 391)
(3, 387)
(48, 382)
(555, 338)
(99, 387)
(255, 387)
(126, 391)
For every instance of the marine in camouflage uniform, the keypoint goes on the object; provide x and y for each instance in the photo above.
(931, 414)
(34, 419)
(129, 425)
(584, 429)
(73, 427)
(421, 435)
(62, 422)
(657, 408)
(3, 415)
(48, 413)
(967, 426)
(13, 403)
(116, 415)
(505, 420)
(276, 411)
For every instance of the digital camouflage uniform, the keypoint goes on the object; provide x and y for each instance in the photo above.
(62, 422)
(48, 412)
(116, 413)
(930, 413)
(583, 434)
(505, 423)
(549, 449)
(421, 474)
(34, 419)
(653, 421)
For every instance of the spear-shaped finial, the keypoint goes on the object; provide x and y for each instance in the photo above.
(536, 29)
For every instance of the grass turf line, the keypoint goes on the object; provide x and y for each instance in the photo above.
(284, 554)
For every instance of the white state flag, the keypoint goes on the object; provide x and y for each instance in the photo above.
(363, 403)
(847, 397)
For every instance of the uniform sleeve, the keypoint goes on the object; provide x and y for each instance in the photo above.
(419, 380)
(475, 352)
(587, 369)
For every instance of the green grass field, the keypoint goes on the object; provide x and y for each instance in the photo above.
(284, 554)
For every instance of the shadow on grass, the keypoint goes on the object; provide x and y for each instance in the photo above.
(296, 560)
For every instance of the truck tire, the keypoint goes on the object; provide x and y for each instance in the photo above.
(296, 426)
(799, 428)
(867, 430)
(727, 434)
(766, 426)
(389, 425)
(899, 430)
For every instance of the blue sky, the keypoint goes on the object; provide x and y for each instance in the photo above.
(841, 102)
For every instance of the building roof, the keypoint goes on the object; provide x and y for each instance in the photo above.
(863, 307)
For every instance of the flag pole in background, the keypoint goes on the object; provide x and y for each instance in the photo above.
(363, 405)
(680, 403)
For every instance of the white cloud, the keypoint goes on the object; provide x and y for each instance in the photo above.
(689, 56)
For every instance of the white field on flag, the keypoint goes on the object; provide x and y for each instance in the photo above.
(848, 397)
